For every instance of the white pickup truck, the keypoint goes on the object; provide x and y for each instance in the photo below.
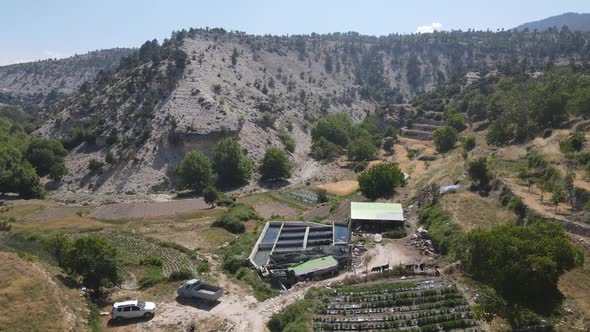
(195, 288)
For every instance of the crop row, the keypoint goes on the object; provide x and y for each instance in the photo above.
(391, 296)
(377, 289)
(424, 306)
(399, 302)
(131, 249)
(447, 322)
(302, 195)
(390, 318)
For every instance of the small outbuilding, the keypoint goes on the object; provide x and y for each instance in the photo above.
(375, 217)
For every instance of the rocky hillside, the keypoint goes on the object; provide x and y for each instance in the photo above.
(203, 84)
(574, 22)
(34, 84)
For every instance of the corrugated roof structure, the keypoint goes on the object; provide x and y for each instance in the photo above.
(376, 211)
(318, 265)
(296, 241)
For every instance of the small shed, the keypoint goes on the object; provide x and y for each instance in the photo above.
(376, 217)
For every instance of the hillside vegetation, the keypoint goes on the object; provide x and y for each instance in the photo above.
(202, 85)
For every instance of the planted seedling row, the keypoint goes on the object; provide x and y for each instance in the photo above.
(392, 296)
(388, 318)
(398, 302)
(424, 306)
(426, 321)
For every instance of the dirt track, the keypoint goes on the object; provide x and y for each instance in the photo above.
(147, 209)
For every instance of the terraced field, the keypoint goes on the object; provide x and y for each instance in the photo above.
(131, 249)
(421, 306)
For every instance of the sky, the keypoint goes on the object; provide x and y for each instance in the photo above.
(41, 29)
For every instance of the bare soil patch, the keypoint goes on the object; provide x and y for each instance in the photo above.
(393, 252)
(269, 209)
(148, 209)
(340, 188)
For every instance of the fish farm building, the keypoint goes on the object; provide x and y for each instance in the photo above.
(375, 217)
(299, 249)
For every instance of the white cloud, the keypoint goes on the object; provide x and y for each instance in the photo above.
(429, 28)
(54, 54)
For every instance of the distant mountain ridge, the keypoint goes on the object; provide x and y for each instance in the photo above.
(574, 22)
(32, 85)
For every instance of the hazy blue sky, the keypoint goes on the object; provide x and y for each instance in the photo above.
(39, 29)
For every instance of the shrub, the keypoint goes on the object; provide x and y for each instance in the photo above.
(322, 195)
(457, 121)
(95, 165)
(230, 223)
(469, 143)
(573, 143)
(152, 275)
(211, 195)
(151, 261)
(444, 138)
(180, 275)
(388, 144)
(443, 232)
(396, 233)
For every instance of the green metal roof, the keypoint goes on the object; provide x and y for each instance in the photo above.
(376, 211)
(314, 265)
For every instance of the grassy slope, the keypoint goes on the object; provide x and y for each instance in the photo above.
(32, 301)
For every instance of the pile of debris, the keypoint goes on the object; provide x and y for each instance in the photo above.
(422, 243)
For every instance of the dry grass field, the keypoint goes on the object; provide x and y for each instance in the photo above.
(470, 210)
(32, 301)
(340, 188)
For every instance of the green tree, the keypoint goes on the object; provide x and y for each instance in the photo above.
(335, 128)
(570, 189)
(43, 154)
(388, 144)
(476, 108)
(381, 180)
(573, 143)
(194, 171)
(234, 57)
(59, 246)
(457, 121)
(361, 149)
(94, 261)
(478, 171)
(500, 133)
(522, 263)
(232, 166)
(550, 180)
(444, 138)
(557, 196)
(58, 171)
(211, 195)
(275, 165)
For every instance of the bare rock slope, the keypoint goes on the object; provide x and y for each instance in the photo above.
(224, 84)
